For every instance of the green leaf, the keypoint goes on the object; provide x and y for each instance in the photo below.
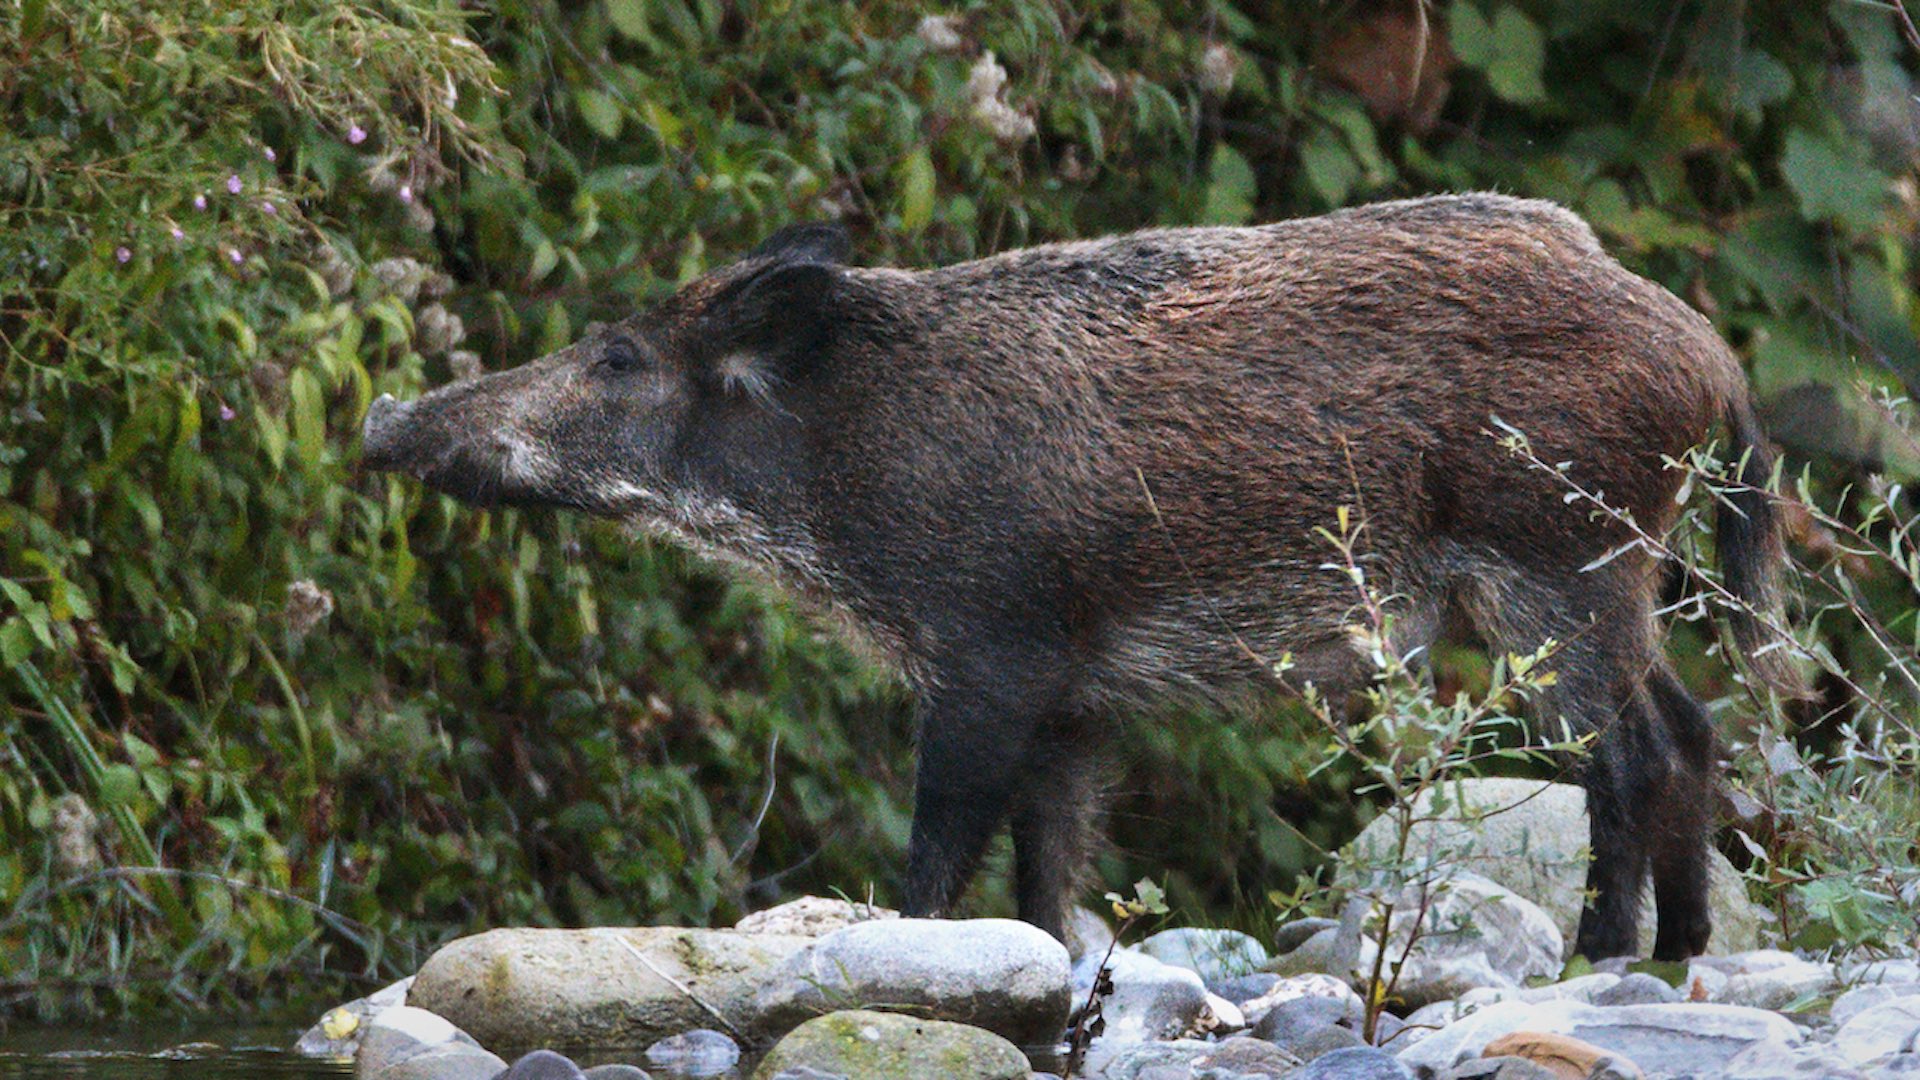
(1831, 183)
(118, 783)
(916, 190)
(1760, 80)
(309, 416)
(599, 111)
(16, 641)
(1329, 166)
(1521, 54)
(1230, 188)
(1470, 35)
(630, 18)
(1509, 50)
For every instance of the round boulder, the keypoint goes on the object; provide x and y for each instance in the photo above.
(889, 1046)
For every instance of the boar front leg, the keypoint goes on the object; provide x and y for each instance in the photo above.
(1054, 814)
(974, 739)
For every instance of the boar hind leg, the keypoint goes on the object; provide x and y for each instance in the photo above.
(1603, 630)
(1678, 837)
(1053, 823)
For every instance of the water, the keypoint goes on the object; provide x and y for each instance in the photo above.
(206, 1048)
(153, 1050)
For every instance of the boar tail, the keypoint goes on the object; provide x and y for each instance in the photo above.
(1753, 556)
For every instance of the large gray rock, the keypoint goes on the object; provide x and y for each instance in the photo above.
(336, 1034)
(1679, 1038)
(811, 916)
(1532, 838)
(1890, 1027)
(405, 1043)
(890, 1046)
(604, 987)
(1214, 955)
(1008, 977)
(1472, 933)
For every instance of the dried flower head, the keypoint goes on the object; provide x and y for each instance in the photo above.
(1218, 66)
(307, 606)
(464, 364)
(984, 85)
(72, 828)
(941, 33)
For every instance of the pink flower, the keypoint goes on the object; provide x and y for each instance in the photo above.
(124, 254)
(234, 254)
(406, 193)
(199, 202)
(226, 412)
(233, 184)
(271, 156)
(177, 234)
(356, 135)
(268, 207)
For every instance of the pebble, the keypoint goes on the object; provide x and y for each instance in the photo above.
(1503, 1068)
(1638, 988)
(543, 1065)
(405, 1043)
(1295, 934)
(617, 1072)
(1563, 1055)
(1890, 1027)
(1353, 1063)
(700, 1052)
(337, 1034)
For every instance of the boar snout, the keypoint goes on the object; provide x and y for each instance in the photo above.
(381, 436)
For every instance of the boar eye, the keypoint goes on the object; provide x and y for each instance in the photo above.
(622, 355)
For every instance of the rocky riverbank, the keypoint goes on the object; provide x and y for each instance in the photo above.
(823, 988)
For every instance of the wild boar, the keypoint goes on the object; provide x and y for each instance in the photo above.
(1086, 478)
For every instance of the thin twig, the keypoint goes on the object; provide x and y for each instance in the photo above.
(682, 987)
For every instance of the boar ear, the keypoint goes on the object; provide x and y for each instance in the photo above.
(771, 326)
(816, 242)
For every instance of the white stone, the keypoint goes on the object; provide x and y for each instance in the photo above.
(1887, 1028)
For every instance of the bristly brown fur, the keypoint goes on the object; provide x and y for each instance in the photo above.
(1087, 477)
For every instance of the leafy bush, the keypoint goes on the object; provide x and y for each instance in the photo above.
(351, 719)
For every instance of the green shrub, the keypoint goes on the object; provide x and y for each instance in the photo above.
(350, 719)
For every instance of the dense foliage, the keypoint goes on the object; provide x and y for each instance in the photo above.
(350, 718)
